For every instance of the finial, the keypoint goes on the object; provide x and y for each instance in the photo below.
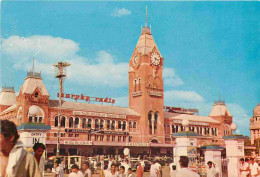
(146, 18)
(33, 65)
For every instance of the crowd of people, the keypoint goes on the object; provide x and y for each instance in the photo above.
(16, 160)
(249, 168)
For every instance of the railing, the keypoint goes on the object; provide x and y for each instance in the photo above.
(219, 102)
(8, 89)
(33, 74)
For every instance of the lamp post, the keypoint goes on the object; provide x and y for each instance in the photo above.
(61, 73)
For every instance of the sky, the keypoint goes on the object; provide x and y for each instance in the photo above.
(210, 49)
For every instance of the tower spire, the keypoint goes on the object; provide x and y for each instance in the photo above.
(33, 65)
(146, 18)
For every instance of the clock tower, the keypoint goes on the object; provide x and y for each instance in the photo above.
(146, 88)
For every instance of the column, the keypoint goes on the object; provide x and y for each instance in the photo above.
(93, 124)
(234, 151)
(105, 124)
(252, 136)
(213, 153)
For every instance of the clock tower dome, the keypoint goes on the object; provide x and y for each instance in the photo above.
(146, 88)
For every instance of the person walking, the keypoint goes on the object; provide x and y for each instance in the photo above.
(211, 171)
(154, 172)
(130, 172)
(38, 149)
(58, 170)
(244, 168)
(15, 161)
(112, 172)
(184, 171)
(85, 169)
(122, 172)
(75, 172)
(253, 168)
(140, 170)
(173, 171)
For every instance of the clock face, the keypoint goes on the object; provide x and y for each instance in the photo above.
(155, 58)
(135, 59)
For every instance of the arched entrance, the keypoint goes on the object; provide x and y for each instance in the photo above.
(154, 150)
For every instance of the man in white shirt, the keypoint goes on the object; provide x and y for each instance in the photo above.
(126, 165)
(110, 163)
(211, 171)
(154, 170)
(75, 172)
(184, 171)
(159, 168)
(253, 168)
(38, 149)
(57, 170)
(244, 168)
(85, 169)
(112, 172)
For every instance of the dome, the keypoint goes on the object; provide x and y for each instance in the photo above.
(34, 110)
(257, 110)
(233, 126)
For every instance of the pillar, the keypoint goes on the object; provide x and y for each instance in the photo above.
(234, 151)
(186, 145)
(213, 153)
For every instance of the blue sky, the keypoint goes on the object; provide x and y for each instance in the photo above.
(208, 47)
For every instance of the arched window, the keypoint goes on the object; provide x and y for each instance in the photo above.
(56, 121)
(173, 129)
(89, 123)
(40, 119)
(135, 82)
(108, 125)
(139, 84)
(155, 122)
(119, 125)
(96, 124)
(113, 125)
(84, 123)
(124, 125)
(134, 127)
(101, 124)
(71, 122)
(130, 126)
(150, 122)
(76, 124)
(36, 94)
(35, 119)
(63, 121)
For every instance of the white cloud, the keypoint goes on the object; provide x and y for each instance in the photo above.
(120, 12)
(47, 48)
(240, 117)
(183, 96)
(170, 78)
(104, 71)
